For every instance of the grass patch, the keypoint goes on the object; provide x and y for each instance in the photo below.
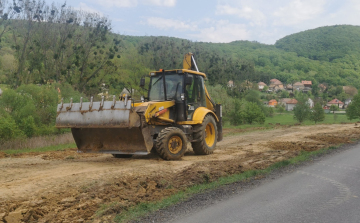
(288, 119)
(145, 208)
(41, 149)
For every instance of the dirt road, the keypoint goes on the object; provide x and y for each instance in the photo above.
(65, 186)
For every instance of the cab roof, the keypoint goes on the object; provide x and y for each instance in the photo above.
(152, 73)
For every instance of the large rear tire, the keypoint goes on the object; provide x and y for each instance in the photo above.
(205, 135)
(171, 143)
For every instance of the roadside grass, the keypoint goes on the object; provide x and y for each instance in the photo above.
(287, 118)
(60, 147)
(145, 208)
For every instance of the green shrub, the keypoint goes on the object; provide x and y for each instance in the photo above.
(8, 128)
(28, 126)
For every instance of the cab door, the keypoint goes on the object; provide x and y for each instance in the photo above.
(195, 95)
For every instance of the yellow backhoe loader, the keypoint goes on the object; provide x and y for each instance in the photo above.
(178, 110)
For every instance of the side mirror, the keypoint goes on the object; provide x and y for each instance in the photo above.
(188, 80)
(142, 82)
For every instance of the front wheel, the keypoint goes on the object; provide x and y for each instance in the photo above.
(205, 136)
(171, 143)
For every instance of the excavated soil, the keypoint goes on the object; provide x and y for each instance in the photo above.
(65, 186)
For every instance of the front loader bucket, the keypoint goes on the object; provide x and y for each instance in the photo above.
(106, 127)
(110, 140)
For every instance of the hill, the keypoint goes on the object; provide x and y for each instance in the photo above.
(324, 43)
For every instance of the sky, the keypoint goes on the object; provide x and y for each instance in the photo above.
(221, 21)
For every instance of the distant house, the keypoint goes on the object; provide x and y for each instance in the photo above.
(261, 85)
(289, 88)
(272, 103)
(336, 102)
(298, 86)
(272, 81)
(290, 105)
(230, 83)
(276, 85)
(307, 83)
(283, 101)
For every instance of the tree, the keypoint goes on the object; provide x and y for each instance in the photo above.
(280, 108)
(317, 114)
(236, 116)
(334, 108)
(353, 109)
(253, 113)
(302, 109)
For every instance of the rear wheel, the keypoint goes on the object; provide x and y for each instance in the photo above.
(122, 155)
(205, 135)
(171, 143)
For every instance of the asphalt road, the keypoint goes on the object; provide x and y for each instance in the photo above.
(326, 191)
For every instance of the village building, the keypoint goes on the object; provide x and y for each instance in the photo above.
(336, 102)
(261, 85)
(276, 85)
(307, 83)
(289, 88)
(272, 103)
(283, 101)
(230, 84)
(298, 86)
(272, 81)
(290, 105)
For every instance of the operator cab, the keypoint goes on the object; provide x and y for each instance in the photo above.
(185, 87)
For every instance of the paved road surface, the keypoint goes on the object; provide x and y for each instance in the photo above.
(327, 191)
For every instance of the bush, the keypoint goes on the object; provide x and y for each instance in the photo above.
(302, 109)
(28, 126)
(253, 113)
(236, 116)
(8, 128)
(353, 109)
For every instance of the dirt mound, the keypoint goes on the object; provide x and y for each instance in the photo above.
(295, 146)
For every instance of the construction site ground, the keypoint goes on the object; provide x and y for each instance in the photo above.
(66, 186)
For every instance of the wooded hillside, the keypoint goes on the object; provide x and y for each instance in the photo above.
(43, 44)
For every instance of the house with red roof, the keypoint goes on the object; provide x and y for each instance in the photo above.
(336, 102)
(261, 85)
(307, 83)
(291, 104)
(272, 103)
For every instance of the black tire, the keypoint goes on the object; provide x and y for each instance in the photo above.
(174, 136)
(122, 155)
(204, 145)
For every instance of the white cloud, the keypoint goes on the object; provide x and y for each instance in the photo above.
(165, 24)
(134, 3)
(298, 11)
(117, 3)
(85, 7)
(167, 3)
(223, 32)
(244, 11)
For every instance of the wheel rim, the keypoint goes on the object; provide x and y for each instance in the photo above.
(175, 144)
(210, 134)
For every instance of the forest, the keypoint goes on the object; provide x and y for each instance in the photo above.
(49, 52)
